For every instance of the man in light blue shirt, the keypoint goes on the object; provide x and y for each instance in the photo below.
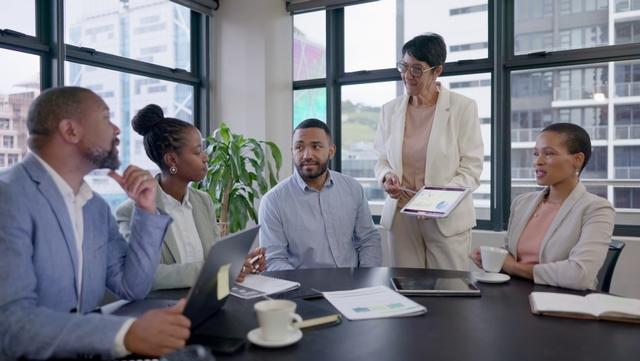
(317, 217)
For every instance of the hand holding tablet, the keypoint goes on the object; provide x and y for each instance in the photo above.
(435, 202)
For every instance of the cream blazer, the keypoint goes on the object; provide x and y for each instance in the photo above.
(171, 272)
(576, 243)
(454, 154)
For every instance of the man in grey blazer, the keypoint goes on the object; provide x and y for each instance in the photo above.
(60, 248)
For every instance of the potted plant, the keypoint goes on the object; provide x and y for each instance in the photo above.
(240, 170)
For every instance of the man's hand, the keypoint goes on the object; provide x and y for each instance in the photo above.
(158, 332)
(391, 185)
(139, 186)
(259, 263)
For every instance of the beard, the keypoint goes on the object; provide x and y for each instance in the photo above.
(308, 175)
(103, 158)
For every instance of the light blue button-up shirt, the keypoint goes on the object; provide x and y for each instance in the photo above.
(305, 228)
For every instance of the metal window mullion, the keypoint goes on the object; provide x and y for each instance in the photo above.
(24, 44)
(601, 54)
(335, 69)
(309, 84)
(200, 68)
(501, 130)
(122, 64)
(50, 32)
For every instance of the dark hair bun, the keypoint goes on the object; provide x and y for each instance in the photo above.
(147, 118)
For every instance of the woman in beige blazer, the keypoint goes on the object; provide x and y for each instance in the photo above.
(176, 147)
(560, 235)
(429, 136)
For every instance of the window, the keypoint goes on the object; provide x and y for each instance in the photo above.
(370, 44)
(537, 27)
(468, 9)
(360, 115)
(478, 88)
(586, 70)
(309, 103)
(627, 5)
(175, 99)
(18, 88)
(578, 94)
(18, 16)
(159, 32)
(7, 141)
(12, 159)
(309, 53)
(132, 30)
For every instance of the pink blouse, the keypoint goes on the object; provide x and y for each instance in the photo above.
(528, 249)
(417, 130)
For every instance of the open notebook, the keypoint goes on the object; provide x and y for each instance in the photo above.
(259, 285)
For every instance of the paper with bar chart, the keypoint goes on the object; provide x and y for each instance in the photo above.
(373, 302)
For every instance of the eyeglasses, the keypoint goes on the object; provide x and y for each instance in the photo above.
(415, 70)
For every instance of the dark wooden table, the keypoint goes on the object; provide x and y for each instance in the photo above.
(496, 326)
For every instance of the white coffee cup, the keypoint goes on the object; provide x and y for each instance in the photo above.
(492, 258)
(277, 319)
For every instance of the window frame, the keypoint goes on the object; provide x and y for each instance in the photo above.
(501, 61)
(49, 45)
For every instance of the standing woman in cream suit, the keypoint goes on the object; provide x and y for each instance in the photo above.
(429, 136)
(176, 147)
(560, 235)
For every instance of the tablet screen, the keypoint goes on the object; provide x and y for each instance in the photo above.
(435, 201)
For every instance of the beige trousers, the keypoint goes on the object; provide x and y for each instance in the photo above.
(418, 243)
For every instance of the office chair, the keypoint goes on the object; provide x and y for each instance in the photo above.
(606, 272)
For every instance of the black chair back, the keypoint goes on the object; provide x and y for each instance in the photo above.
(606, 272)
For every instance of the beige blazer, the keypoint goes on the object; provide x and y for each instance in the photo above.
(171, 272)
(454, 154)
(576, 243)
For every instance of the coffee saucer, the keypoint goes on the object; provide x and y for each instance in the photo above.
(490, 277)
(255, 336)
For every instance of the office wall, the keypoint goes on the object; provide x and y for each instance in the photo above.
(252, 76)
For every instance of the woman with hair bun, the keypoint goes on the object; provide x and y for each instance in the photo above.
(176, 147)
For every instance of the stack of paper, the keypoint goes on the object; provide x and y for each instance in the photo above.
(258, 285)
(373, 302)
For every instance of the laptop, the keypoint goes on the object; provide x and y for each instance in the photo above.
(429, 285)
(204, 299)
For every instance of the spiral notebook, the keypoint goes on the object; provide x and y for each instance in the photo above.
(259, 285)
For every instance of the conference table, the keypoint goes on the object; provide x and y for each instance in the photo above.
(498, 325)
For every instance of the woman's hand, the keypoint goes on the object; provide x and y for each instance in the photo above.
(391, 185)
(476, 258)
(515, 268)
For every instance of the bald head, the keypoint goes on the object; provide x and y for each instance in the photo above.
(52, 106)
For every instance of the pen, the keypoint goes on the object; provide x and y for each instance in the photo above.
(253, 260)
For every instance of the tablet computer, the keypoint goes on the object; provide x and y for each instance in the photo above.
(435, 202)
(435, 286)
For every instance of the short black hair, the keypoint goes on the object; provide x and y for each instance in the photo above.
(428, 47)
(50, 107)
(577, 139)
(159, 134)
(314, 123)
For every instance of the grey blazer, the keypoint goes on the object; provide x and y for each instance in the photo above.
(171, 272)
(576, 243)
(38, 268)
